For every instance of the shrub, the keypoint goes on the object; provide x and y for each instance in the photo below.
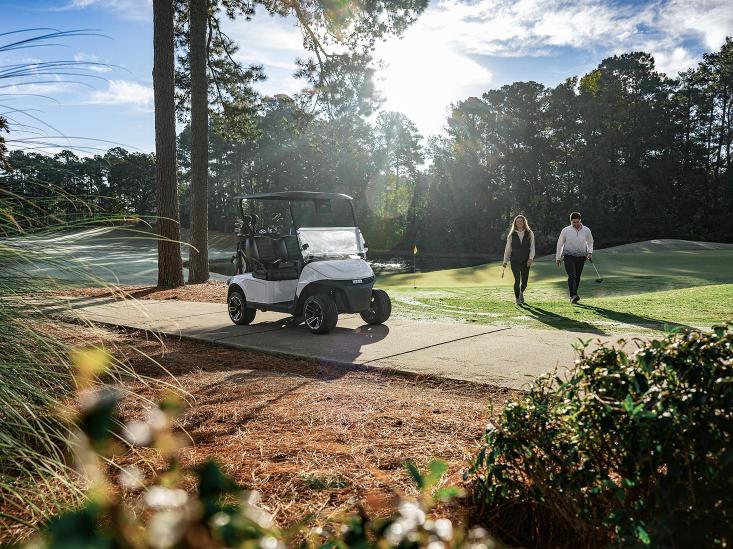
(625, 451)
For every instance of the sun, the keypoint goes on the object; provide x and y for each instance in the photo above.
(424, 73)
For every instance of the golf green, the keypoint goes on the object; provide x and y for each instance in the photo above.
(650, 285)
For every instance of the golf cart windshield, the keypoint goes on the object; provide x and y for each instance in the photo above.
(330, 242)
(323, 212)
(324, 222)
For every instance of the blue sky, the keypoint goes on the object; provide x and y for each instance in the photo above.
(456, 49)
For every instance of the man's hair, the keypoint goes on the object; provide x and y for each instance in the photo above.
(574, 215)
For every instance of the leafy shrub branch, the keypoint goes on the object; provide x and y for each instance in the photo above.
(628, 450)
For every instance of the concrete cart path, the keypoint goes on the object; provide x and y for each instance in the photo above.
(507, 357)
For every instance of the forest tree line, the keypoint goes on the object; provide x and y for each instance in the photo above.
(640, 154)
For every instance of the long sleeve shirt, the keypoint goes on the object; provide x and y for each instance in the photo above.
(508, 248)
(574, 242)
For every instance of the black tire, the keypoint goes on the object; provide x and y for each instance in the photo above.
(320, 313)
(239, 313)
(379, 309)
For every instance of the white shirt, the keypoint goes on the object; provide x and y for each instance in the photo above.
(574, 242)
(508, 248)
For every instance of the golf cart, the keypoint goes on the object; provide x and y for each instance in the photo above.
(302, 253)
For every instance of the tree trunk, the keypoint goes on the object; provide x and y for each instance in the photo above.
(170, 266)
(721, 135)
(198, 258)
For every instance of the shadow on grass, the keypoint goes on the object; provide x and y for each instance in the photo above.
(561, 322)
(636, 320)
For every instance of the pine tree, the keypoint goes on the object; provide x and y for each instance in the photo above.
(170, 264)
(198, 263)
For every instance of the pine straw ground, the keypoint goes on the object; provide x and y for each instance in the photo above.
(311, 438)
(213, 291)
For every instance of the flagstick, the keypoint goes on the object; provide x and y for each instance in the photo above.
(414, 276)
(414, 279)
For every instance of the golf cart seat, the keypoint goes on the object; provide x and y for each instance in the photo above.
(289, 248)
(269, 262)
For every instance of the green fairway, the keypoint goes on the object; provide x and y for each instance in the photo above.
(647, 285)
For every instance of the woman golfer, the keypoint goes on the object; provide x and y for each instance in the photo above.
(520, 252)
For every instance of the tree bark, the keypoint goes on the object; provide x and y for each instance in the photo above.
(170, 266)
(721, 135)
(198, 255)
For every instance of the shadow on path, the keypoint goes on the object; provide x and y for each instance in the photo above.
(561, 322)
(636, 320)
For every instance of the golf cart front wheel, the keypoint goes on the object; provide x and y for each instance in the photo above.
(238, 310)
(379, 309)
(320, 314)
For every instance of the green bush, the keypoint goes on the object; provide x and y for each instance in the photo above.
(627, 450)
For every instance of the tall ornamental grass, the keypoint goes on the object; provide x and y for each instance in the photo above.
(37, 381)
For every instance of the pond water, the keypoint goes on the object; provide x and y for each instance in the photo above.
(130, 256)
(222, 265)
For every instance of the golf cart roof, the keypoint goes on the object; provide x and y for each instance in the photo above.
(293, 195)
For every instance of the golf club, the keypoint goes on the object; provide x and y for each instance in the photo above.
(599, 279)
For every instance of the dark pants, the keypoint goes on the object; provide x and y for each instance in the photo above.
(520, 272)
(574, 268)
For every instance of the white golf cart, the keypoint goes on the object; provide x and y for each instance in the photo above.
(306, 258)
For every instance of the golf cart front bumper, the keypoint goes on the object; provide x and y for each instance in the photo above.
(351, 296)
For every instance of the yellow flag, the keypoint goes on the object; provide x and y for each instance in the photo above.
(414, 250)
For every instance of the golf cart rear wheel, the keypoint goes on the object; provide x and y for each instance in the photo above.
(379, 309)
(238, 310)
(320, 314)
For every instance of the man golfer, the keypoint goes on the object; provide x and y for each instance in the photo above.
(574, 246)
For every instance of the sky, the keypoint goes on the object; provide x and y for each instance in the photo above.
(456, 49)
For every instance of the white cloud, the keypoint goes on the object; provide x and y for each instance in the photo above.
(536, 27)
(273, 42)
(49, 89)
(434, 64)
(123, 92)
(93, 62)
(709, 20)
(265, 36)
(129, 9)
(672, 60)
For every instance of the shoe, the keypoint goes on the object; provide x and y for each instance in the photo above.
(521, 298)
(518, 301)
(574, 299)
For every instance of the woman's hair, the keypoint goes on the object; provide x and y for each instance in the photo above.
(513, 228)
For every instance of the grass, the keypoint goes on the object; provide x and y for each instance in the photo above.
(643, 290)
(701, 306)
(646, 286)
